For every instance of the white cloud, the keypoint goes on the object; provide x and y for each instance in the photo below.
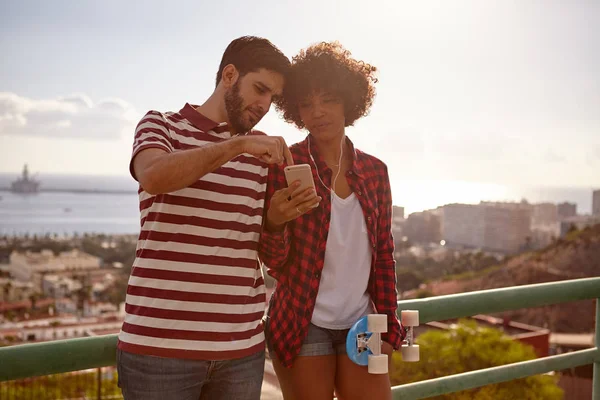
(73, 116)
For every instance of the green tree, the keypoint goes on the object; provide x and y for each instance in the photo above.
(408, 279)
(468, 347)
(75, 385)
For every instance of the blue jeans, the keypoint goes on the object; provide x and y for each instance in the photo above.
(319, 342)
(157, 378)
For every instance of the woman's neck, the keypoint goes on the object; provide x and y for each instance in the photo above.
(331, 150)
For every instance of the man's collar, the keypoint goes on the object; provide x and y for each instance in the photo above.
(201, 122)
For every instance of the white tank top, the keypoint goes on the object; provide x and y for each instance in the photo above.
(343, 298)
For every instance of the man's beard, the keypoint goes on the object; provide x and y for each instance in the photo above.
(235, 112)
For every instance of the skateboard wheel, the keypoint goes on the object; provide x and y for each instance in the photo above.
(377, 323)
(410, 353)
(378, 364)
(410, 317)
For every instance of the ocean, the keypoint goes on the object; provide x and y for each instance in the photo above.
(69, 213)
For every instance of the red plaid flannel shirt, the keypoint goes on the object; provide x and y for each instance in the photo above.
(295, 256)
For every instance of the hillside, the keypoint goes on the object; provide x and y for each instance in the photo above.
(576, 256)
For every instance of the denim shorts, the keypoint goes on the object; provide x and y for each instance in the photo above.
(321, 342)
(158, 378)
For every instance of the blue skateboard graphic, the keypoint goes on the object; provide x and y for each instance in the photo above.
(363, 343)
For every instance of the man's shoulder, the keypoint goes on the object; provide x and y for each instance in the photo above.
(155, 115)
(167, 116)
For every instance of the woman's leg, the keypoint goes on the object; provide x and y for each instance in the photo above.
(354, 381)
(309, 378)
(312, 374)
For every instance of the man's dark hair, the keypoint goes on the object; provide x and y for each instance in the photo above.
(251, 53)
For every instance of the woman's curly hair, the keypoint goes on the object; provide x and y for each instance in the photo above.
(328, 67)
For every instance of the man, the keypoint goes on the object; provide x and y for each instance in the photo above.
(196, 296)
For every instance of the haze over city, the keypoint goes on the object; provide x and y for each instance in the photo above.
(475, 99)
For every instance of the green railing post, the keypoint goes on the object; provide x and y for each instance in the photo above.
(596, 378)
(99, 382)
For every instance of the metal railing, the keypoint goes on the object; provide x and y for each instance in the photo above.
(97, 384)
(499, 300)
(39, 359)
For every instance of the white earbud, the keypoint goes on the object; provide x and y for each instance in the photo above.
(332, 189)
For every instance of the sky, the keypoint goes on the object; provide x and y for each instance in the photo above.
(475, 99)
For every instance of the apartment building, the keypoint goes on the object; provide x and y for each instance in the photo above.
(490, 226)
(32, 267)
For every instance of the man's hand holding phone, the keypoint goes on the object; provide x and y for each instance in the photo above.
(298, 198)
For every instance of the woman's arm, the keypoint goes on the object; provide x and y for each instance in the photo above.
(282, 206)
(274, 244)
(386, 294)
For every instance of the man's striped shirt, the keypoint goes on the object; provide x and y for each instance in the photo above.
(196, 289)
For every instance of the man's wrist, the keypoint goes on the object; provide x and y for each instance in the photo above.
(237, 146)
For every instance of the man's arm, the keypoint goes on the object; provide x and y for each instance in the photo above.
(159, 171)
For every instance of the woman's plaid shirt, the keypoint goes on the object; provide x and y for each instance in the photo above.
(295, 256)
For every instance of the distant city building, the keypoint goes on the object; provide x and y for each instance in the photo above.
(98, 309)
(566, 210)
(65, 306)
(59, 286)
(398, 212)
(578, 222)
(398, 222)
(545, 225)
(423, 227)
(25, 184)
(13, 291)
(490, 226)
(544, 214)
(463, 225)
(31, 267)
(58, 328)
(596, 202)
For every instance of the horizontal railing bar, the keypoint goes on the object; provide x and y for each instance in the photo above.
(503, 373)
(38, 359)
(46, 358)
(492, 301)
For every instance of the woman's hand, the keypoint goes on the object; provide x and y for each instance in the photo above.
(290, 203)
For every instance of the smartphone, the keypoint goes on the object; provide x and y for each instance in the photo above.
(301, 172)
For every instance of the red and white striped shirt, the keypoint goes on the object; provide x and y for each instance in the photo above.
(196, 289)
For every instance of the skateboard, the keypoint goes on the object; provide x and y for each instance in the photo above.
(410, 350)
(363, 342)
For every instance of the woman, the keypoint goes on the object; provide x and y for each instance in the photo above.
(331, 252)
